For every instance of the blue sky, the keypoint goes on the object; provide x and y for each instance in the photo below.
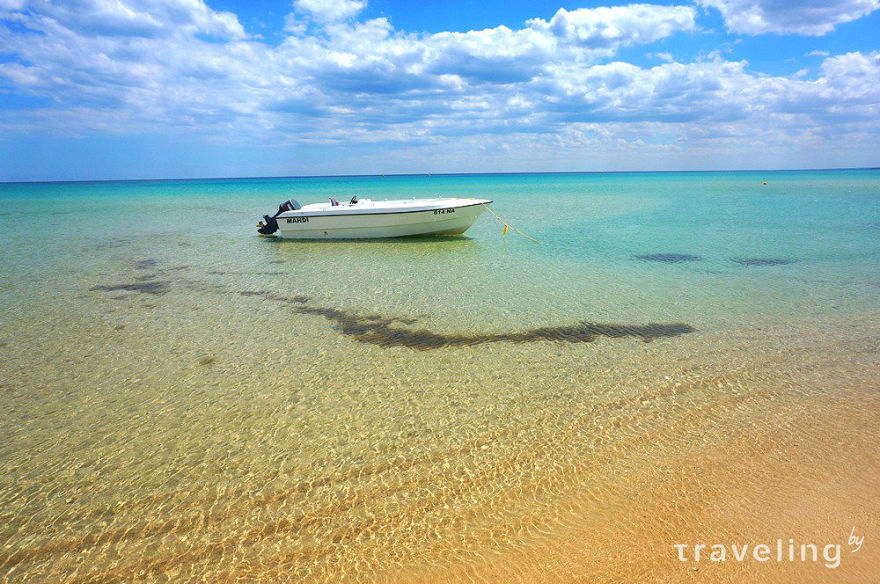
(106, 89)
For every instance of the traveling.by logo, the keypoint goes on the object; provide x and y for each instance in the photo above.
(784, 551)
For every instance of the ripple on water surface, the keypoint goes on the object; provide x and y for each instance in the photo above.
(187, 407)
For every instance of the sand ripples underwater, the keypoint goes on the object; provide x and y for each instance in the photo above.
(686, 358)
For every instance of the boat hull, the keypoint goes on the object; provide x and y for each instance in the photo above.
(452, 220)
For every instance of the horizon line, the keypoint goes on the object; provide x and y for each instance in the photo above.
(425, 174)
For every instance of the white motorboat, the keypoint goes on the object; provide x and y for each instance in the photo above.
(365, 218)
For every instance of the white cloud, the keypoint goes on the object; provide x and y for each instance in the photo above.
(617, 25)
(148, 59)
(145, 18)
(855, 76)
(806, 17)
(119, 68)
(331, 10)
(11, 5)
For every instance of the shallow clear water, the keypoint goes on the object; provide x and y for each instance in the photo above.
(185, 399)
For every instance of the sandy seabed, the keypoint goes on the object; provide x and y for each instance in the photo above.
(538, 461)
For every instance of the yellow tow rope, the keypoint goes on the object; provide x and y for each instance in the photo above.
(509, 226)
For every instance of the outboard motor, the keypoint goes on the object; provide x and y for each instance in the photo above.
(271, 223)
(269, 227)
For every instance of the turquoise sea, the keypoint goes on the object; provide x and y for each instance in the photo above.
(186, 401)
